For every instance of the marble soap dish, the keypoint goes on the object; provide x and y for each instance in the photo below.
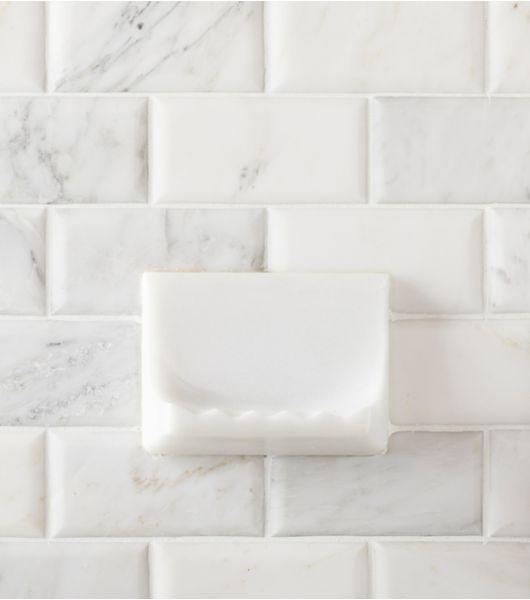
(265, 363)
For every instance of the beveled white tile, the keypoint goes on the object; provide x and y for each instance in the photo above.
(155, 46)
(375, 46)
(426, 484)
(434, 256)
(265, 363)
(508, 244)
(452, 570)
(73, 150)
(98, 255)
(458, 372)
(261, 150)
(259, 569)
(104, 484)
(73, 570)
(22, 261)
(69, 373)
(509, 45)
(21, 46)
(22, 483)
(509, 484)
(461, 150)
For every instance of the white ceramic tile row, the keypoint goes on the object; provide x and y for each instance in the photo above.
(427, 484)
(323, 47)
(287, 568)
(442, 372)
(259, 150)
(95, 255)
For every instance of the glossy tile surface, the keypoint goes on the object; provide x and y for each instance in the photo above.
(451, 150)
(432, 256)
(508, 259)
(375, 46)
(460, 373)
(156, 46)
(509, 484)
(260, 569)
(93, 475)
(449, 570)
(99, 254)
(73, 570)
(22, 477)
(508, 25)
(258, 150)
(69, 373)
(21, 46)
(22, 261)
(426, 484)
(78, 150)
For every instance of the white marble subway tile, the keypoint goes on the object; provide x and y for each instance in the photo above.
(72, 150)
(21, 483)
(452, 570)
(434, 256)
(67, 569)
(259, 569)
(509, 46)
(260, 150)
(98, 255)
(460, 372)
(454, 150)
(375, 46)
(21, 46)
(22, 261)
(69, 373)
(155, 46)
(508, 260)
(105, 484)
(509, 484)
(426, 484)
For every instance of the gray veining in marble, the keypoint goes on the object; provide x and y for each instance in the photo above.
(69, 373)
(73, 150)
(105, 484)
(156, 46)
(22, 261)
(427, 484)
(99, 254)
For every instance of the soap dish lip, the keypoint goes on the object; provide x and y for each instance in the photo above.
(254, 416)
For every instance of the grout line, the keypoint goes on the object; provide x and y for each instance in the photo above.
(395, 317)
(485, 265)
(149, 158)
(369, 153)
(267, 467)
(461, 428)
(47, 485)
(486, 49)
(316, 539)
(46, 38)
(372, 579)
(269, 94)
(265, 48)
(266, 240)
(485, 483)
(150, 579)
(354, 205)
(47, 264)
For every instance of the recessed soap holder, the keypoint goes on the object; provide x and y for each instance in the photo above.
(265, 363)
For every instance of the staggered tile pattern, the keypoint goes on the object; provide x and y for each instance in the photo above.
(243, 136)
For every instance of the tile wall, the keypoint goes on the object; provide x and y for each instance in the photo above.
(388, 137)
